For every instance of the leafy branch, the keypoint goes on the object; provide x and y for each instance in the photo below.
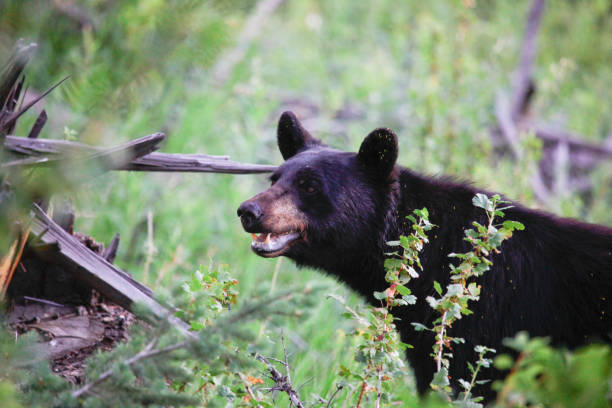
(378, 351)
(453, 303)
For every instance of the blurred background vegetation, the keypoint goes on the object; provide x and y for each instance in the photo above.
(428, 70)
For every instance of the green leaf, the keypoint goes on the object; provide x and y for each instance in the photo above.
(437, 287)
(504, 362)
(482, 201)
(433, 303)
(380, 295)
(410, 299)
(440, 379)
(513, 225)
(403, 290)
(419, 326)
(454, 290)
(464, 384)
(404, 346)
(473, 289)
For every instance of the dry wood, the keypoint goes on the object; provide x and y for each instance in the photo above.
(9, 261)
(38, 125)
(68, 333)
(107, 158)
(523, 83)
(161, 162)
(97, 272)
(111, 252)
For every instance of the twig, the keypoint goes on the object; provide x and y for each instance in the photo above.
(147, 352)
(282, 383)
(43, 301)
(364, 384)
(38, 125)
(250, 392)
(286, 358)
(338, 388)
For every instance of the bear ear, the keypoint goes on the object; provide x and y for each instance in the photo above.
(378, 152)
(292, 137)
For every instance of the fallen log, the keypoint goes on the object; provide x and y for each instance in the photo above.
(97, 272)
(107, 158)
(160, 162)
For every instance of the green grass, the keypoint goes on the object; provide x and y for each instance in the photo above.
(430, 71)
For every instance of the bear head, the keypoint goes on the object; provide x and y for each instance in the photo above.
(323, 203)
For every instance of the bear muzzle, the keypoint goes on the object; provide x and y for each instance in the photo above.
(274, 230)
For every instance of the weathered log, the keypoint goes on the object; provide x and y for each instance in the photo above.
(97, 272)
(161, 162)
(107, 158)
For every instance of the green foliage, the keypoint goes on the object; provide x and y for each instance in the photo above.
(454, 302)
(555, 377)
(379, 350)
(159, 366)
(429, 70)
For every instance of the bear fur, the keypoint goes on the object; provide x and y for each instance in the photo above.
(335, 211)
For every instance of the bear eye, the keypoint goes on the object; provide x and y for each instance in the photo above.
(274, 178)
(307, 186)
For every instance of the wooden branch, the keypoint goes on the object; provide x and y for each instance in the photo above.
(108, 158)
(97, 272)
(161, 162)
(38, 125)
(13, 69)
(282, 383)
(523, 81)
(194, 163)
(506, 125)
(574, 142)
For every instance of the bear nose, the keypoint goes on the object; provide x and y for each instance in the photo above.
(250, 213)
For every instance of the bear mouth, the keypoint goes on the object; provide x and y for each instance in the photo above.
(271, 244)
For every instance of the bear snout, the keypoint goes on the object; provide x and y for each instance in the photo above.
(250, 215)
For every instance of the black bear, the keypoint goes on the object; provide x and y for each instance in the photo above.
(336, 211)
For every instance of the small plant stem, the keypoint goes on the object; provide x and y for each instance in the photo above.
(363, 388)
(379, 387)
(250, 392)
(469, 390)
(338, 388)
(441, 338)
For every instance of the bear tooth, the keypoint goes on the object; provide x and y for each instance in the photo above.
(268, 238)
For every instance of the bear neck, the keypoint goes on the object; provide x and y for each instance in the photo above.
(360, 262)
